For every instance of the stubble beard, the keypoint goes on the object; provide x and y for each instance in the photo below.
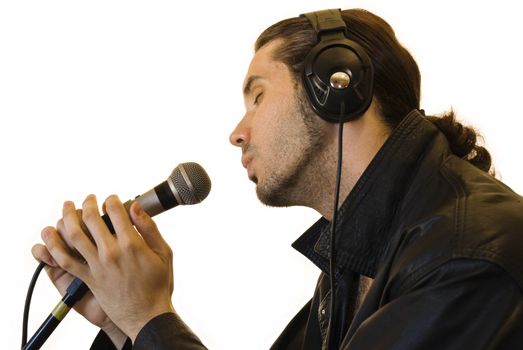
(298, 185)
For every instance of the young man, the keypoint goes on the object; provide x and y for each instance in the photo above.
(427, 242)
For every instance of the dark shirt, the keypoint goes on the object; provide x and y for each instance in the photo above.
(442, 241)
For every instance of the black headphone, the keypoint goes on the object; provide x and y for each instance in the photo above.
(337, 71)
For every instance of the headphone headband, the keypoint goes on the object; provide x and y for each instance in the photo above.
(326, 21)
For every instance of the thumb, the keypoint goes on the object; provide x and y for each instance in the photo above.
(148, 229)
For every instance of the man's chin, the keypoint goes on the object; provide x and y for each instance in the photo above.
(272, 198)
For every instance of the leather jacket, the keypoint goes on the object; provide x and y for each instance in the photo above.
(442, 241)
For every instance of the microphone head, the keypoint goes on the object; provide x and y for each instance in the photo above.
(192, 182)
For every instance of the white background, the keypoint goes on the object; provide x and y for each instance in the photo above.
(108, 96)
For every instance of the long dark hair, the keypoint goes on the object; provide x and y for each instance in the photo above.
(397, 78)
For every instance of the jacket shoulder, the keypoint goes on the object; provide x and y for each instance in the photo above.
(458, 212)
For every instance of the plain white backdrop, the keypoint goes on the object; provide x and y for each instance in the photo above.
(109, 96)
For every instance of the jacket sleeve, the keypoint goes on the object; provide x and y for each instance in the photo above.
(166, 331)
(103, 342)
(463, 304)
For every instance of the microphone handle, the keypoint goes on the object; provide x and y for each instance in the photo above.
(75, 292)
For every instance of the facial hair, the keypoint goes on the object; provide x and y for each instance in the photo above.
(297, 183)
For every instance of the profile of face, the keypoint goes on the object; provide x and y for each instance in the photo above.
(280, 136)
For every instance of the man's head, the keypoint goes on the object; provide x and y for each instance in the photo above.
(287, 149)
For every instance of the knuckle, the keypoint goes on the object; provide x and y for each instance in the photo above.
(76, 235)
(110, 256)
(66, 262)
(130, 245)
(89, 214)
(148, 225)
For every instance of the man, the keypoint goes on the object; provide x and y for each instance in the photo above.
(427, 243)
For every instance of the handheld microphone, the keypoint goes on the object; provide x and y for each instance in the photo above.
(187, 184)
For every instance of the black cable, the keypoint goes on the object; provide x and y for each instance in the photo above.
(75, 291)
(28, 301)
(332, 261)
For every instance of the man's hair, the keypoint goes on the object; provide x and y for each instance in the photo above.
(397, 78)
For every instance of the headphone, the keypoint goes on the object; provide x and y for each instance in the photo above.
(337, 72)
(338, 78)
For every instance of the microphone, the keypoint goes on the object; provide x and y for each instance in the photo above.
(188, 184)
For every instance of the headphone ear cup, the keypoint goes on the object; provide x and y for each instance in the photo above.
(337, 72)
(347, 59)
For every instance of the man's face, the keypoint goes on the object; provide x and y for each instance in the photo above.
(280, 137)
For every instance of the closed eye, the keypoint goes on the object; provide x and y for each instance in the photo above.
(258, 97)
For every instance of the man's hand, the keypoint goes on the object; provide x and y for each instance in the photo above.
(130, 273)
(88, 307)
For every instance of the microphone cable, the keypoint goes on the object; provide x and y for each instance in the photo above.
(75, 291)
(28, 298)
(332, 260)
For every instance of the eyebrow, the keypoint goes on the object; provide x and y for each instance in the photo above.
(248, 85)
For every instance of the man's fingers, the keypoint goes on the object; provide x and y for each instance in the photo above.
(148, 229)
(125, 232)
(61, 255)
(41, 254)
(95, 225)
(75, 235)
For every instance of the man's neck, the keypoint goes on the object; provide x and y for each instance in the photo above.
(362, 139)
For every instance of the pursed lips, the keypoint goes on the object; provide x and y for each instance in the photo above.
(246, 161)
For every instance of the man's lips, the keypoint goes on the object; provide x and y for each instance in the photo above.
(246, 161)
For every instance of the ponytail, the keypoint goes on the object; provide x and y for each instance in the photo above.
(463, 141)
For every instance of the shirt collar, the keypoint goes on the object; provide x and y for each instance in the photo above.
(365, 217)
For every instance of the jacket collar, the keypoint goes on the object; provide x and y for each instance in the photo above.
(365, 217)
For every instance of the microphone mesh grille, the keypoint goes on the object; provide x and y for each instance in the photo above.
(192, 182)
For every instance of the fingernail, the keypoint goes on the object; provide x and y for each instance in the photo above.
(45, 233)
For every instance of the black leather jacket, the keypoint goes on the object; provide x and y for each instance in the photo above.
(442, 240)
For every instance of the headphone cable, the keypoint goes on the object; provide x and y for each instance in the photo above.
(332, 260)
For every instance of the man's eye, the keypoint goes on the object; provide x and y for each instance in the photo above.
(258, 98)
